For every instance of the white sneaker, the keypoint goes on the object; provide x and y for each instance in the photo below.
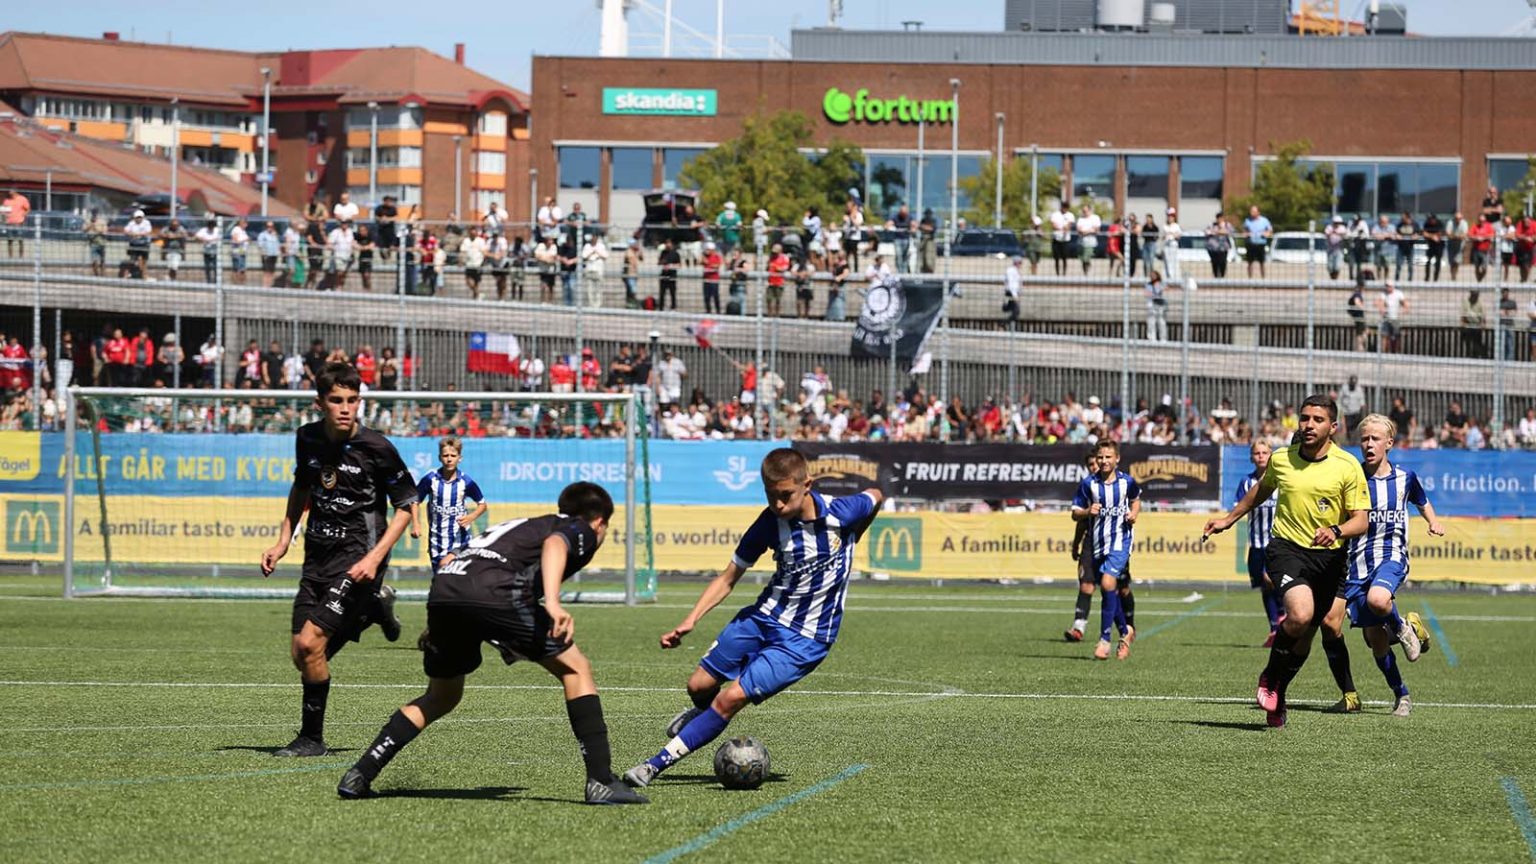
(1409, 640)
(1403, 708)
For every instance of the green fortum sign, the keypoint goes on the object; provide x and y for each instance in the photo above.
(861, 107)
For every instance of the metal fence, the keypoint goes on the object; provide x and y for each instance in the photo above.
(1250, 342)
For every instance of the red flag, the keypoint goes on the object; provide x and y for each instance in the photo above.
(701, 332)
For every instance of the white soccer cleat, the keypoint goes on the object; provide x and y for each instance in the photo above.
(1410, 641)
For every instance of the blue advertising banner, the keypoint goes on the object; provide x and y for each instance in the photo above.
(1481, 483)
(508, 470)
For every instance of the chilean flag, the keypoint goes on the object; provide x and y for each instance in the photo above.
(701, 332)
(496, 353)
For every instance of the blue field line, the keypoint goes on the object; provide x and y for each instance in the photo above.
(1158, 628)
(1440, 640)
(714, 834)
(1521, 810)
(171, 778)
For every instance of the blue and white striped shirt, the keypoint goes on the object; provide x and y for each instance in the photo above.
(1111, 533)
(446, 501)
(1387, 537)
(1261, 519)
(812, 561)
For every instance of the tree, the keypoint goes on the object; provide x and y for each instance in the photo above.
(1288, 191)
(766, 168)
(1517, 197)
(981, 188)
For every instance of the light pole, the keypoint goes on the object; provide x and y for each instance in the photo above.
(533, 202)
(458, 176)
(175, 150)
(1034, 181)
(997, 195)
(266, 134)
(373, 155)
(949, 246)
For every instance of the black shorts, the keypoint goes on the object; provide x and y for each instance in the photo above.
(805, 294)
(1059, 250)
(365, 265)
(1322, 570)
(1257, 253)
(472, 273)
(519, 632)
(340, 607)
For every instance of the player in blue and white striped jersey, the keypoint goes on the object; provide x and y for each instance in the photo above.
(1261, 524)
(1112, 499)
(789, 630)
(446, 495)
(1378, 560)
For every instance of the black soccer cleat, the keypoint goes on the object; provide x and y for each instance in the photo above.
(303, 745)
(613, 792)
(353, 786)
(683, 718)
(388, 623)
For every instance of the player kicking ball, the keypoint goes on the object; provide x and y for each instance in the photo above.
(347, 476)
(1112, 499)
(489, 591)
(789, 630)
(1378, 565)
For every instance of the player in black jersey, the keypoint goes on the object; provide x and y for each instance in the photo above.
(347, 476)
(489, 591)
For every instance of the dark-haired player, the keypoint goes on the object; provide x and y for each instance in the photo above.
(1321, 502)
(779, 639)
(347, 476)
(489, 591)
(1112, 499)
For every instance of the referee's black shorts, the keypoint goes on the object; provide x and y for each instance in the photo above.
(1291, 566)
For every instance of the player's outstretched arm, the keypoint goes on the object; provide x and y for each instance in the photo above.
(715, 592)
(367, 567)
(298, 499)
(552, 560)
(1433, 518)
(1258, 493)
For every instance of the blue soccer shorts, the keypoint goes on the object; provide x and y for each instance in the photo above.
(764, 655)
(1389, 575)
(1114, 564)
(1255, 567)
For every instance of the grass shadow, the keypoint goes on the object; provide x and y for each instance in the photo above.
(1088, 657)
(1222, 724)
(252, 748)
(706, 779)
(483, 793)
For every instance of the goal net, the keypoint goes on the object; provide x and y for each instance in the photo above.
(178, 492)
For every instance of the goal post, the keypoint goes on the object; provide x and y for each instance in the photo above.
(176, 493)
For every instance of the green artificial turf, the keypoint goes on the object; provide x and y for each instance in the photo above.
(981, 736)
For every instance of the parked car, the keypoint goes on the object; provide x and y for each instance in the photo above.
(1001, 242)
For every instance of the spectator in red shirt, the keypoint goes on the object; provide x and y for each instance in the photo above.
(1482, 235)
(778, 265)
(142, 353)
(562, 378)
(1525, 245)
(591, 371)
(119, 372)
(367, 366)
(14, 372)
(712, 264)
(14, 209)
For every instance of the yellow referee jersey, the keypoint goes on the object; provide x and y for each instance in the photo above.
(1311, 495)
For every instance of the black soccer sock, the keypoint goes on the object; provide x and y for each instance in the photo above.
(1338, 663)
(313, 722)
(1289, 663)
(586, 713)
(704, 698)
(397, 733)
(1128, 606)
(1280, 658)
(1084, 603)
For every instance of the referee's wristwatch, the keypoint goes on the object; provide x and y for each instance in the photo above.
(1338, 533)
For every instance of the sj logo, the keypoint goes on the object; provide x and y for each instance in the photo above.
(896, 544)
(737, 475)
(32, 527)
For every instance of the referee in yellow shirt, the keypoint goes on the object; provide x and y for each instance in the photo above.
(1321, 502)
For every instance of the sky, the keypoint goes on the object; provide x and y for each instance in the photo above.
(502, 37)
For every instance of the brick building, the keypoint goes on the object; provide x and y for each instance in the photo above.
(449, 138)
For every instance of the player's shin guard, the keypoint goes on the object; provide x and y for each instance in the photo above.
(1110, 615)
(1084, 603)
(1387, 663)
(1338, 663)
(1271, 607)
(1286, 657)
(397, 733)
(312, 724)
(1128, 606)
(586, 713)
(700, 731)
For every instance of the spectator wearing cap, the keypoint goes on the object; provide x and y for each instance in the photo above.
(1334, 237)
(1013, 281)
(760, 230)
(594, 265)
(1172, 232)
(1093, 415)
(169, 358)
(713, 261)
(591, 371)
(728, 224)
(138, 231)
(1088, 226)
(1034, 244)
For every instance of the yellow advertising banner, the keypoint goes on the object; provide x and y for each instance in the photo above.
(234, 531)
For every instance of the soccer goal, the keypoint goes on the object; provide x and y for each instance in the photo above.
(178, 492)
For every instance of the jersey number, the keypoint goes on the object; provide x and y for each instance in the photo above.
(495, 533)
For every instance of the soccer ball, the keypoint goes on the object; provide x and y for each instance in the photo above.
(741, 763)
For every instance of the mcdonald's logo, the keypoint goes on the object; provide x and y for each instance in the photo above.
(32, 527)
(897, 544)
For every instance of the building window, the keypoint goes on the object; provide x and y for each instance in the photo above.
(1093, 176)
(631, 167)
(580, 167)
(1510, 175)
(490, 162)
(1146, 177)
(1201, 177)
(673, 159)
(1368, 187)
(389, 157)
(481, 200)
(390, 117)
(493, 123)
